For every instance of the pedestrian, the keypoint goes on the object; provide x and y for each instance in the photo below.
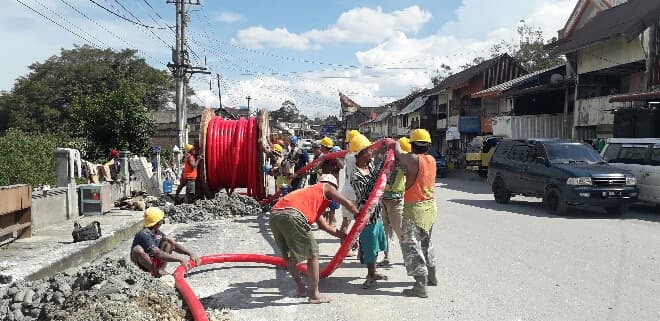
(419, 212)
(316, 153)
(372, 239)
(152, 249)
(332, 167)
(347, 190)
(290, 222)
(275, 159)
(189, 174)
(392, 202)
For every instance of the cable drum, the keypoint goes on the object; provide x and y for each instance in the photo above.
(232, 155)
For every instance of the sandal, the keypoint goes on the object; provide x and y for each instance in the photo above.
(368, 283)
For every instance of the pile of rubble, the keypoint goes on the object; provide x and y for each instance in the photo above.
(113, 289)
(222, 205)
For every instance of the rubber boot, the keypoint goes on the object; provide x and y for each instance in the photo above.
(432, 278)
(419, 289)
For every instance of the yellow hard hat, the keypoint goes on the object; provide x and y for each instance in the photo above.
(405, 144)
(188, 147)
(358, 143)
(420, 135)
(351, 134)
(278, 148)
(327, 142)
(152, 216)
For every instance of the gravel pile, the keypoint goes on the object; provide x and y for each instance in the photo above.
(222, 205)
(111, 290)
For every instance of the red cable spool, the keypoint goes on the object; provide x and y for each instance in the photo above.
(232, 155)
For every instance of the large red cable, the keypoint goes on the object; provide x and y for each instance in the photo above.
(232, 155)
(197, 309)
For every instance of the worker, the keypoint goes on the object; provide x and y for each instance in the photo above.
(290, 221)
(372, 238)
(347, 190)
(275, 158)
(189, 174)
(392, 201)
(152, 249)
(419, 212)
(300, 158)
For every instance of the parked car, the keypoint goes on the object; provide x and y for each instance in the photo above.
(640, 156)
(441, 168)
(562, 172)
(479, 152)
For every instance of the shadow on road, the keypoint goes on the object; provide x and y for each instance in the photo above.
(576, 212)
(459, 185)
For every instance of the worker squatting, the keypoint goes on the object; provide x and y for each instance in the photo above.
(407, 210)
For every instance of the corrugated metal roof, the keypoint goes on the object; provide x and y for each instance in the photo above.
(382, 116)
(464, 76)
(414, 105)
(495, 90)
(628, 19)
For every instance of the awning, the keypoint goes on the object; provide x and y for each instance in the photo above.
(636, 97)
(414, 105)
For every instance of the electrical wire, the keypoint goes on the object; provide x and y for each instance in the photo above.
(124, 18)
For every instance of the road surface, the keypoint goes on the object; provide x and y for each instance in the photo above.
(495, 262)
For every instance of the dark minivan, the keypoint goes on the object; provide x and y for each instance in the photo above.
(562, 172)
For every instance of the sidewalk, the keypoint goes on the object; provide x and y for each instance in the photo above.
(51, 250)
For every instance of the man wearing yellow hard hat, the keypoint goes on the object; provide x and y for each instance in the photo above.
(189, 174)
(419, 212)
(372, 238)
(332, 167)
(392, 201)
(347, 190)
(152, 249)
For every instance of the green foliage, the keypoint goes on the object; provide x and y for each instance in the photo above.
(4, 111)
(288, 112)
(28, 158)
(40, 100)
(115, 118)
(529, 51)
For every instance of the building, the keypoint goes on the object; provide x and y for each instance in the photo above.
(166, 135)
(610, 48)
(538, 105)
(470, 116)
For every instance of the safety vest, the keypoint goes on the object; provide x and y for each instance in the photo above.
(189, 172)
(424, 186)
(310, 201)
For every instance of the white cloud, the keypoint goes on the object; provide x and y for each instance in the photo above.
(359, 25)
(229, 17)
(258, 37)
(366, 25)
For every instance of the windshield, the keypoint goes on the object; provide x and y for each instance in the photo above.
(572, 153)
(475, 145)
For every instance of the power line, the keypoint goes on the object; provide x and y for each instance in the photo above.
(70, 23)
(127, 19)
(138, 19)
(158, 14)
(61, 26)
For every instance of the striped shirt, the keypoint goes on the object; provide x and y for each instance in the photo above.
(363, 184)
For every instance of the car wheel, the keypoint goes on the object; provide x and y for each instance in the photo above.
(617, 210)
(554, 201)
(501, 194)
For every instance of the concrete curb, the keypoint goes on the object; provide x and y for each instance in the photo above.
(88, 254)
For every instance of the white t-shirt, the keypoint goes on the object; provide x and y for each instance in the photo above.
(350, 167)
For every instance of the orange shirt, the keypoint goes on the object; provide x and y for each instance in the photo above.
(423, 187)
(309, 201)
(189, 172)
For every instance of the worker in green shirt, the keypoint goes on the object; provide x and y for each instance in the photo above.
(392, 201)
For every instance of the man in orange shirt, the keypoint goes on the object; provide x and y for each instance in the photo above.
(290, 222)
(419, 212)
(189, 174)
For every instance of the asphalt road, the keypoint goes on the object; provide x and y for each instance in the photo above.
(495, 262)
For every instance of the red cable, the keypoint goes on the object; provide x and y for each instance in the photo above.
(196, 307)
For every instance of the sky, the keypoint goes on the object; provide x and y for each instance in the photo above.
(375, 52)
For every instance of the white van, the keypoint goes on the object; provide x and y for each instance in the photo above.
(641, 156)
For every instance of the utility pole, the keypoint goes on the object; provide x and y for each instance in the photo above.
(182, 70)
(219, 92)
(248, 99)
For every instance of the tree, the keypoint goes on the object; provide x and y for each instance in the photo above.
(115, 118)
(441, 74)
(4, 111)
(288, 112)
(40, 100)
(529, 51)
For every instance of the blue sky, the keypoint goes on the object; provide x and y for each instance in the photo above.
(260, 47)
